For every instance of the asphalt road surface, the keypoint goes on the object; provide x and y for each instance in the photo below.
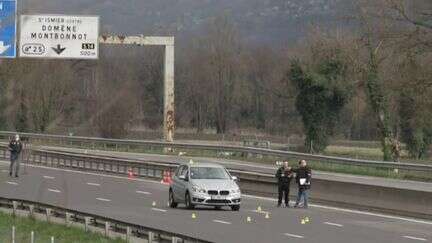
(257, 167)
(145, 202)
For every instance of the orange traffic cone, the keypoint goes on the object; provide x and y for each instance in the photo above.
(130, 174)
(170, 174)
(165, 178)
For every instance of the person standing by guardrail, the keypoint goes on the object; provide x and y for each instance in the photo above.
(303, 179)
(15, 147)
(284, 176)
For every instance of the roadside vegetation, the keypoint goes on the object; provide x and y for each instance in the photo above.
(44, 231)
(367, 77)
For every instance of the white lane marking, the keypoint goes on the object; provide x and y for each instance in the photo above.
(221, 221)
(411, 220)
(92, 184)
(54, 190)
(333, 224)
(414, 238)
(12, 183)
(141, 192)
(159, 210)
(295, 236)
(103, 199)
(49, 177)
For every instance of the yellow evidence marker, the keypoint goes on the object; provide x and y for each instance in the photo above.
(193, 215)
(259, 209)
(154, 204)
(248, 219)
(267, 216)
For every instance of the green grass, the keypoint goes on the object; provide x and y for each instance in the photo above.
(44, 231)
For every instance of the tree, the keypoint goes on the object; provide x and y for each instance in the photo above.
(222, 46)
(323, 90)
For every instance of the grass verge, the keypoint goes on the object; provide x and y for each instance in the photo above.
(43, 232)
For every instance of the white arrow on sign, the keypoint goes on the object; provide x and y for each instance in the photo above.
(3, 48)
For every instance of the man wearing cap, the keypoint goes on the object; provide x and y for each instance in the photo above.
(15, 147)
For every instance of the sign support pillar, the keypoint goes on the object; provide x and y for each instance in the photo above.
(168, 42)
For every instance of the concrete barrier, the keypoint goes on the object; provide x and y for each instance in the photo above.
(382, 199)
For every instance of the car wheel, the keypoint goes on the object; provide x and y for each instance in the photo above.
(218, 207)
(235, 207)
(188, 201)
(171, 201)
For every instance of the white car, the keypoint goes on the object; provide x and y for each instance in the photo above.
(204, 184)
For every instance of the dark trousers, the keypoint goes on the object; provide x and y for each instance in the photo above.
(284, 190)
(14, 162)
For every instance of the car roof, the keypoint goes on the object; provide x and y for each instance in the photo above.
(204, 164)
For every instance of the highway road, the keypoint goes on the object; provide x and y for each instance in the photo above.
(145, 202)
(256, 167)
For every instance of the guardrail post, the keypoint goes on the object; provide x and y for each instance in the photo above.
(86, 223)
(13, 234)
(174, 239)
(48, 214)
(128, 234)
(52, 239)
(67, 218)
(107, 228)
(32, 237)
(14, 207)
(150, 237)
(31, 210)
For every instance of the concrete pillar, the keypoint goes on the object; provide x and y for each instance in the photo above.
(169, 122)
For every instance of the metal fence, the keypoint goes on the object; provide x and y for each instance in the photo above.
(90, 222)
(91, 142)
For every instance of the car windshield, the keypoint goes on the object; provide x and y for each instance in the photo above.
(197, 173)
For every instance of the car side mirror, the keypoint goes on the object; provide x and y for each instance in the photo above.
(235, 178)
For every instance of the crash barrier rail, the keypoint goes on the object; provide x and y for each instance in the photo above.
(407, 202)
(219, 149)
(90, 222)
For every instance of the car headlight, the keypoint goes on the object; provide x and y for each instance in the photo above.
(234, 191)
(197, 189)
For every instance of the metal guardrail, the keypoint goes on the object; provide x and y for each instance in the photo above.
(108, 226)
(116, 143)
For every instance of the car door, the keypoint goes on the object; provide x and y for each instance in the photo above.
(182, 183)
(177, 184)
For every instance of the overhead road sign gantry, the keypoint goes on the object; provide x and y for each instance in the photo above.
(8, 10)
(59, 36)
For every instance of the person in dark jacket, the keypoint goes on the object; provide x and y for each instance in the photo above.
(284, 176)
(15, 147)
(303, 179)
